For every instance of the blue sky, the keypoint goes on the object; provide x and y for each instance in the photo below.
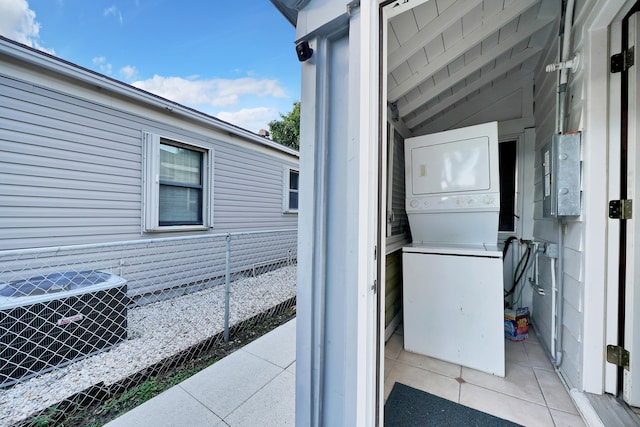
(232, 59)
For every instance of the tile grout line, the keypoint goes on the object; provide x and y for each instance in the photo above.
(563, 383)
(510, 395)
(546, 402)
(396, 361)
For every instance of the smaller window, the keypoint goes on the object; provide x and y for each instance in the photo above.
(290, 195)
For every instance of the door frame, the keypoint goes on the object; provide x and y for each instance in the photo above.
(600, 184)
(629, 310)
(382, 13)
(600, 139)
(336, 342)
(616, 313)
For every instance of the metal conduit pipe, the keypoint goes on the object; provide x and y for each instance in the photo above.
(554, 289)
(564, 72)
(557, 361)
(562, 101)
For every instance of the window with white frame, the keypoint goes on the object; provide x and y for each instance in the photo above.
(290, 195)
(177, 191)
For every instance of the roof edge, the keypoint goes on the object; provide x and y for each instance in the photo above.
(288, 12)
(53, 63)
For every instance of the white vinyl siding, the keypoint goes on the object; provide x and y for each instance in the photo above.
(545, 229)
(68, 170)
(248, 192)
(72, 168)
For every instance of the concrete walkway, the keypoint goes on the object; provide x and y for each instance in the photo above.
(253, 386)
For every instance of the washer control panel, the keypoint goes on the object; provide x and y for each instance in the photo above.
(471, 202)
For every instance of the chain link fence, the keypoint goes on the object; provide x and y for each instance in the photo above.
(82, 324)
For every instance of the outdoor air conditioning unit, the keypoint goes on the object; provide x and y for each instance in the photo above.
(50, 321)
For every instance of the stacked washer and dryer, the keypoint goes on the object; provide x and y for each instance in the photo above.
(452, 272)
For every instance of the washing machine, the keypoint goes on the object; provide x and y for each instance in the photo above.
(452, 306)
(452, 272)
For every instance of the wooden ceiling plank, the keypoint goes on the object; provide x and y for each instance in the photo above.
(400, 7)
(433, 30)
(392, 39)
(418, 61)
(400, 74)
(472, 20)
(472, 54)
(404, 27)
(435, 47)
(509, 29)
(452, 35)
(486, 58)
(456, 65)
(425, 13)
(444, 4)
(480, 102)
(491, 26)
(491, 7)
(476, 85)
(485, 63)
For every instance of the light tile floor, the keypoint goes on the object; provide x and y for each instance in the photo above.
(530, 394)
(256, 386)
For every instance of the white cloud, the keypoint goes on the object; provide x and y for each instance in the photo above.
(115, 12)
(210, 92)
(101, 62)
(18, 22)
(129, 72)
(208, 95)
(252, 119)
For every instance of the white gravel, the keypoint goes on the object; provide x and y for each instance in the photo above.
(155, 331)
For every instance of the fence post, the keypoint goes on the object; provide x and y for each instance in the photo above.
(227, 285)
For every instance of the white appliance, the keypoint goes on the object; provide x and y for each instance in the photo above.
(452, 272)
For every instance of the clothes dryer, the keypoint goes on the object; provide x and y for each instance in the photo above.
(452, 273)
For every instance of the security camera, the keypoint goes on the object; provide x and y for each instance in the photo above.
(304, 51)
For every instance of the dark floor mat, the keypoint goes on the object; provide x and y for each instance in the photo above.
(407, 406)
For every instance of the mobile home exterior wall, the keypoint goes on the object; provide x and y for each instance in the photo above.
(72, 156)
(72, 163)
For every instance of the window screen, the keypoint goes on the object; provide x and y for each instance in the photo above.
(181, 186)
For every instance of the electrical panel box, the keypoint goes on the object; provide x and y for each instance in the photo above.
(561, 176)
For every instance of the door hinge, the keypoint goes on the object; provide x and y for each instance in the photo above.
(622, 61)
(620, 209)
(618, 356)
(374, 287)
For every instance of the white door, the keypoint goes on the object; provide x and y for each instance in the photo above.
(631, 377)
